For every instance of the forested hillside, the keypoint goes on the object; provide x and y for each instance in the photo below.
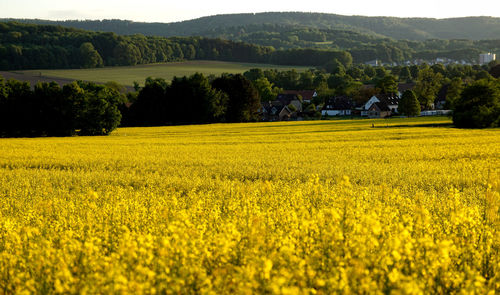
(303, 32)
(25, 46)
(473, 28)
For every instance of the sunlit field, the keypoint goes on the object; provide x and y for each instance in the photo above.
(127, 75)
(318, 207)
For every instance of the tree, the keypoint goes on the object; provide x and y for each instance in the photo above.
(405, 75)
(151, 107)
(409, 104)
(387, 84)
(254, 74)
(306, 80)
(478, 106)
(343, 85)
(56, 110)
(243, 99)
(90, 57)
(380, 72)
(94, 107)
(320, 82)
(427, 87)
(19, 109)
(495, 71)
(126, 54)
(266, 89)
(363, 94)
(100, 114)
(370, 72)
(335, 67)
(453, 92)
(194, 100)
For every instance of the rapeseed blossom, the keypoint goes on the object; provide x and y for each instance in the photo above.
(284, 208)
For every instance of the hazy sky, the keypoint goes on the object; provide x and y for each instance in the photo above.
(177, 10)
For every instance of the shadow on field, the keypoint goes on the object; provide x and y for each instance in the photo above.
(438, 125)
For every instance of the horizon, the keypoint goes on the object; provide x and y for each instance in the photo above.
(158, 11)
(241, 13)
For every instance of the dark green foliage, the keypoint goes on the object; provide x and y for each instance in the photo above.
(310, 57)
(453, 92)
(56, 47)
(243, 99)
(77, 108)
(495, 71)
(193, 100)
(409, 104)
(405, 75)
(312, 27)
(267, 91)
(98, 112)
(478, 105)
(387, 84)
(90, 57)
(57, 110)
(151, 105)
(427, 87)
(366, 38)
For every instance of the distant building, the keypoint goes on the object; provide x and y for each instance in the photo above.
(373, 63)
(380, 106)
(338, 106)
(485, 58)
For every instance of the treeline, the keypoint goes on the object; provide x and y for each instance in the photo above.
(24, 46)
(78, 108)
(194, 99)
(84, 108)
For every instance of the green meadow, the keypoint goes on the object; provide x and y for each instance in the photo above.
(127, 75)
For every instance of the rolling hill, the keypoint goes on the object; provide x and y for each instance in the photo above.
(472, 28)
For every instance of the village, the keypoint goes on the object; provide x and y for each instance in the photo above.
(299, 105)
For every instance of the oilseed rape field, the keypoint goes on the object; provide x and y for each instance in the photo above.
(406, 206)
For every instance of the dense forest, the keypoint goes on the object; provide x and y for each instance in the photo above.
(363, 46)
(473, 28)
(24, 46)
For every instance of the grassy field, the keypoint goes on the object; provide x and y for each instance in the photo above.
(127, 75)
(317, 207)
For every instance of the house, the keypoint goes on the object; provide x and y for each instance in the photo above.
(373, 63)
(269, 111)
(378, 110)
(338, 106)
(392, 101)
(285, 107)
(384, 103)
(304, 95)
(284, 99)
(286, 114)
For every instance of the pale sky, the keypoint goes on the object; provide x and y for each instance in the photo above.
(178, 10)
